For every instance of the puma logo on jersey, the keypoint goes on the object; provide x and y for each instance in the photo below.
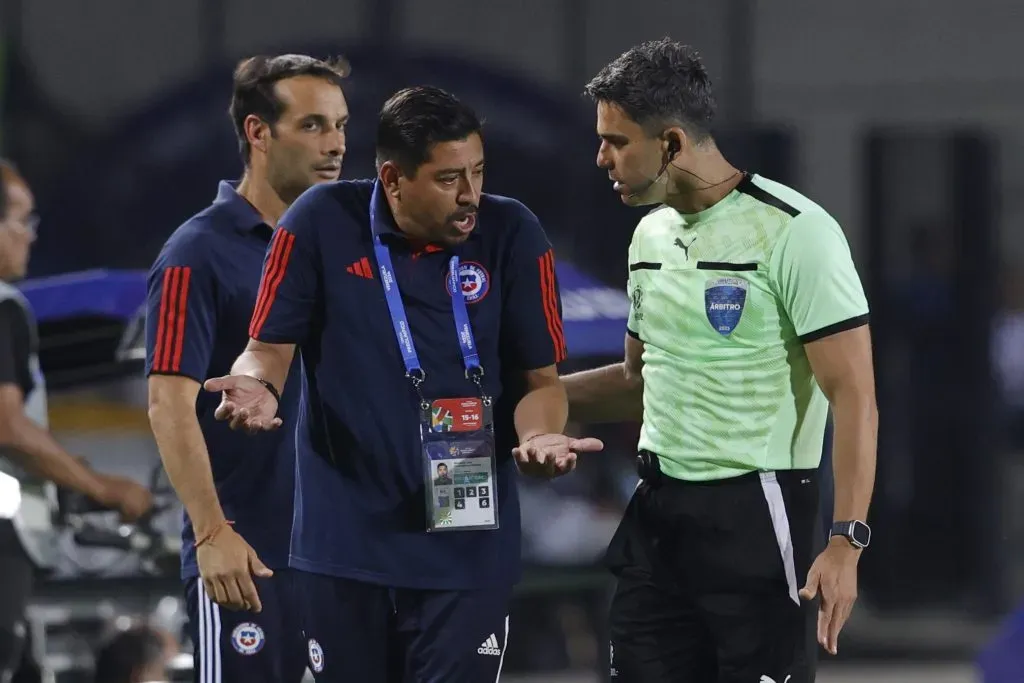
(769, 679)
(685, 247)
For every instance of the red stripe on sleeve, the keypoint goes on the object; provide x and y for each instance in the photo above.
(170, 334)
(269, 273)
(272, 279)
(179, 335)
(550, 303)
(165, 295)
(269, 267)
(172, 307)
(562, 351)
(545, 300)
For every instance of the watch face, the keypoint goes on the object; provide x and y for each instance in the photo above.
(858, 533)
(861, 534)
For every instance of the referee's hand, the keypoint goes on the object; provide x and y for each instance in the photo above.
(245, 402)
(833, 576)
(552, 455)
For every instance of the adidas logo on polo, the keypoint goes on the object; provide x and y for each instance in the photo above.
(489, 646)
(361, 268)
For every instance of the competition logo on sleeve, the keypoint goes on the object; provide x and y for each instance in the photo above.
(636, 299)
(474, 281)
(724, 299)
(247, 638)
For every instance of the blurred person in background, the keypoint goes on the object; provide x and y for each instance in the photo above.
(289, 114)
(748, 320)
(138, 655)
(427, 318)
(31, 460)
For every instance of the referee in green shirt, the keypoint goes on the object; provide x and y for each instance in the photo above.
(748, 321)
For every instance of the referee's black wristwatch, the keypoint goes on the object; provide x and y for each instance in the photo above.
(856, 532)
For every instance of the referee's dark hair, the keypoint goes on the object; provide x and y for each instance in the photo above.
(129, 654)
(415, 119)
(254, 93)
(659, 83)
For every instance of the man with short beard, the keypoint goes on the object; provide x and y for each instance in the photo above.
(289, 114)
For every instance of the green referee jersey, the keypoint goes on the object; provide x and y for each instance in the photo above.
(724, 301)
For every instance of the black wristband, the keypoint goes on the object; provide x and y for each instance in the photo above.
(271, 388)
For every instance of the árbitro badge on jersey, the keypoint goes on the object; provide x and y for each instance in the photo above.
(724, 299)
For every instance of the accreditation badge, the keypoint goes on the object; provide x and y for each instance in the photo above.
(458, 451)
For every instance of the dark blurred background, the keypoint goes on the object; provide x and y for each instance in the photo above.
(904, 120)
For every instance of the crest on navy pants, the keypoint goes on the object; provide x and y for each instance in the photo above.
(724, 299)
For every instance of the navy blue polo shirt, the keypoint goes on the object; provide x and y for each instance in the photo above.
(202, 292)
(360, 494)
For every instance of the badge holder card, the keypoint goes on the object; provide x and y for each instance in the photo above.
(459, 465)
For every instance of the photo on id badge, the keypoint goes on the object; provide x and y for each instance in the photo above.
(458, 449)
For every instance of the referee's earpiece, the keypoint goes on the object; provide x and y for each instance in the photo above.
(674, 147)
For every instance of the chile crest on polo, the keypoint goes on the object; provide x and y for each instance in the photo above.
(724, 300)
(474, 281)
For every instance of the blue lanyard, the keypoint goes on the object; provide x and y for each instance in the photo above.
(400, 321)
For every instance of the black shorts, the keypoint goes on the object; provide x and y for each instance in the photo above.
(373, 634)
(708, 575)
(243, 647)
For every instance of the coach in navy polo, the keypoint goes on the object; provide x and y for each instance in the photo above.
(289, 113)
(196, 326)
(369, 279)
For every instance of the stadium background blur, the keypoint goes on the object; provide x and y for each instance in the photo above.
(905, 120)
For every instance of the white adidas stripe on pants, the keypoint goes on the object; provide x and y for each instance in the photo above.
(501, 661)
(209, 637)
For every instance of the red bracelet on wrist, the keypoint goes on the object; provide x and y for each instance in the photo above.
(213, 532)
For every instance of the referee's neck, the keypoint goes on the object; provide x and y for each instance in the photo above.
(702, 184)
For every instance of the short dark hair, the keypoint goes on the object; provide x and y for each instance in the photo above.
(415, 119)
(659, 83)
(254, 81)
(128, 652)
